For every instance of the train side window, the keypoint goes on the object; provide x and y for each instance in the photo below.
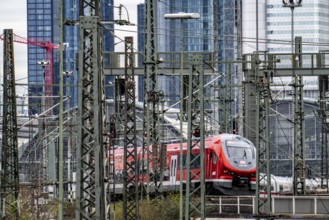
(214, 158)
(143, 167)
(178, 161)
(195, 164)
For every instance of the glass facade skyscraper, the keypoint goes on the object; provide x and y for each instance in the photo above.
(43, 25)
(198, 34)
(40, 26)
(311, 22)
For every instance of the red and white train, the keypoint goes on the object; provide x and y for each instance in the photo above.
(230, 165)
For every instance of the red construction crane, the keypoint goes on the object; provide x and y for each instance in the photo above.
(48, 46)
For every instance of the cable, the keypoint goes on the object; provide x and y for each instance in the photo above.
(232, 37)
(255, 131)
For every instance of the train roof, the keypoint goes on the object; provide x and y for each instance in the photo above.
(176, 146)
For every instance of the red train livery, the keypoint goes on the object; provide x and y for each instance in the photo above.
(230, 165)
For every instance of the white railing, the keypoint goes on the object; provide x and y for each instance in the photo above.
(315, 205)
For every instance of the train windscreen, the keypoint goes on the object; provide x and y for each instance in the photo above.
(239, 150)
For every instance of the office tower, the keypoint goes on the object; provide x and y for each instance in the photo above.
(40, 26)
(274, 28)
(198, 35)
(310, 22)
(43, 25)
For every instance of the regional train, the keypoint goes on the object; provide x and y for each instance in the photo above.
(230, 165)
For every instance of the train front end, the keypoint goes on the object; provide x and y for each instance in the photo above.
(238, 168)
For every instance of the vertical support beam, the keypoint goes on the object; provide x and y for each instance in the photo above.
(91, 202)
(299, 130)
(119, 104)
(42, 134)
(60, 121)
(195, 163)
(263, 175)
(324, 88)
(111, 165)
(250, 108)
(215, 119)
(239, 125)
(9, 175)
(152, 99)
(226, 100)
(230, 98)
(130, 169)
(257, 97)
(52, 174)
(43, 149)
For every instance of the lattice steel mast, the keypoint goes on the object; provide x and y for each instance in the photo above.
(130, 169)
(324, 88)
(152, 99)
(257, 104)
(195, 180)
(299, 126)
(263, 175)
(91, 202)
(9, 174)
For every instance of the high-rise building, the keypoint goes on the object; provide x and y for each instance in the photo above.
(40, 26)
(310, 22)
(273, 26)
(274, 29)
(43, 25)
(198, 34)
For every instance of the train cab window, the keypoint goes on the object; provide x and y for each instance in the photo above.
(239, 150)
(214, 158)
(281, 188)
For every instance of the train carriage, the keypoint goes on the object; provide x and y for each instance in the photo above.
(230, 165)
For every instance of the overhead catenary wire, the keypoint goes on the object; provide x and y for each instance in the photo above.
(222, 109)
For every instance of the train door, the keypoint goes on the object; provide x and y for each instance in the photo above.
(173, 170)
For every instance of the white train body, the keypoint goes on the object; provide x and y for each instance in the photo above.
(284, 185)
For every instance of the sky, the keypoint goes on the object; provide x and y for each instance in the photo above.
(13, 16)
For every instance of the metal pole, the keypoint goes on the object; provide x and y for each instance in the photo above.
(181, 123)
(130, 169)
(60, 146)
(294, 112)
(195, 182)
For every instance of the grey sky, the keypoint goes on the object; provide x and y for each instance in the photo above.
(13, 16)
